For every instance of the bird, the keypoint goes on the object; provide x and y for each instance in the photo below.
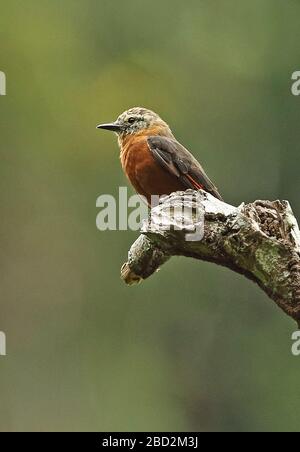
(155, 163)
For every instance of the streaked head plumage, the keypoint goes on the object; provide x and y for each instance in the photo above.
(138, 120)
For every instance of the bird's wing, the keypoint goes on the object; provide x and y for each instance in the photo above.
(179, 162)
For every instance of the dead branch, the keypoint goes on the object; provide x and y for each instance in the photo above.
(260, 240)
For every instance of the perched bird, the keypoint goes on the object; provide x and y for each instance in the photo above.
(153, 160)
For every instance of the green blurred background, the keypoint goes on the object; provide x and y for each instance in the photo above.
(196, 347)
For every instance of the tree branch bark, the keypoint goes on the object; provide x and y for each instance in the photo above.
(260, 240)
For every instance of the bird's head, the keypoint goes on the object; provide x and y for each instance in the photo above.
(138, 121)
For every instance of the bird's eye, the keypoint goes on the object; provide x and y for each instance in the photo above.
(131, 120)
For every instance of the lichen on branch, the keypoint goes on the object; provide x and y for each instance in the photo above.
(260, 240)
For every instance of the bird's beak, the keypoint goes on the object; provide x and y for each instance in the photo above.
(112, 126)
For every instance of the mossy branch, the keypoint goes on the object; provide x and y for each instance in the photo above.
(260, 240)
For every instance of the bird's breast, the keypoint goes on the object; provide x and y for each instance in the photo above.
(147, 177)
(136, 161)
